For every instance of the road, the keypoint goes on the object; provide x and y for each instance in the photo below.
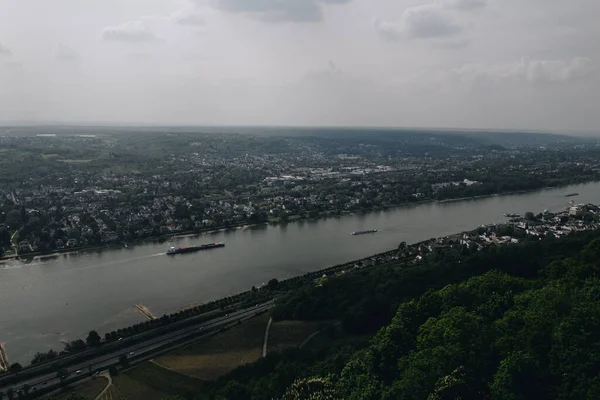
(146, 350)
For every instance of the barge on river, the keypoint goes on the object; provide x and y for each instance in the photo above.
(364, 232)
(191, 249)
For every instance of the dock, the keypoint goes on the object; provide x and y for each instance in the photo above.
(145, 311)
(3, 359)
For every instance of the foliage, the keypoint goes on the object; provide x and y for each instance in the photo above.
(510, 323)
(93, 339)
(123, 360)
(41, 357)
(16, 367)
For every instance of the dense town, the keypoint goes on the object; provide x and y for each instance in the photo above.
(69, 191)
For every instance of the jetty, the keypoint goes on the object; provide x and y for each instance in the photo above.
(145, 311)
(3, 359)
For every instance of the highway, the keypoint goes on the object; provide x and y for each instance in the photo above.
(147, 349)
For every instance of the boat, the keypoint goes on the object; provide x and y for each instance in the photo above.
(512, 215)
(191, 249)
(364, 232)
(572, 194)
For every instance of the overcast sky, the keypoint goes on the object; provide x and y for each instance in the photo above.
(515, 64)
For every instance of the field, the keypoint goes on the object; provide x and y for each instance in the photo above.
(148, 381)
(286, 334)
(182, 372)
(220, 354)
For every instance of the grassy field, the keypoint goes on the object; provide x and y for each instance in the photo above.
(182, 372)
(148, 381)
(220, 354)
(286, 334)
(87, 390)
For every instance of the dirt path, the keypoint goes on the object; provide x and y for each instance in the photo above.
(308, 339)
(108, 385)
(264, 351)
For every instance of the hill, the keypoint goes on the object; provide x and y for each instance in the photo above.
(515, 322)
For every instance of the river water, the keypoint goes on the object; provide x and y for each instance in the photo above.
(42, 303)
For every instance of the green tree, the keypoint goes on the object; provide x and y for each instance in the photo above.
(93, 339)
(16, 368)
(123, 360)
(234, 390)
(272, 284)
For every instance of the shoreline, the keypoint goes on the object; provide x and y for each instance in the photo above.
(41, 256)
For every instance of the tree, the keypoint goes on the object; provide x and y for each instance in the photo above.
(13, 220)
(113, 371)
(123, 360)
(16, 368)
(529, 216)
(75, 346)
(93, 339)
(272, 284)
(234, 391)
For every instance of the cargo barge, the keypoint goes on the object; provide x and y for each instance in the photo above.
(364, 232)
(191, 249)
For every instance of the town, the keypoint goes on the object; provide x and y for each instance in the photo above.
(67, 191)
(518, 229)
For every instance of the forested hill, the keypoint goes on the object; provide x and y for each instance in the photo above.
(520, 322)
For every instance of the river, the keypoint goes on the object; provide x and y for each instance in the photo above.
(44, 302)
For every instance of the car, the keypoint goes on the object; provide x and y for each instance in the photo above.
(45, 383)
(131, 353)
(78, 372)
(34, 388)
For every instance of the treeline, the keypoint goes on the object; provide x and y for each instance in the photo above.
(147, 329)
(511, 322)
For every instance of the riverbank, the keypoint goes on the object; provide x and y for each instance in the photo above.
(40, 255)
(61, 297)
(245, 225)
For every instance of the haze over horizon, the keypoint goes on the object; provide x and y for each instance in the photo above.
(479, 64)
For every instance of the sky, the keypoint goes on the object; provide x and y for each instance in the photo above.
(491, 64)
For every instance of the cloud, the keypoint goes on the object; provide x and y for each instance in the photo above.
(188, 16)
(463, 5)
(450, 44)
(279, 10)
(66, 53)
(525, 70)
(429, 21)
(4, 51)
(132, 31)
(426, 21)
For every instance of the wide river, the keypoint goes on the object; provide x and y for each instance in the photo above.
(42, 303)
